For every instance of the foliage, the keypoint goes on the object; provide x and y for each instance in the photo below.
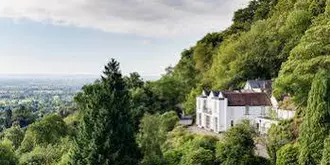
(326, 152)
(23, 115)
(278, 136)
(50, 130)
(287, 155)
(49, 154)
(106, 134)
(200, 156)
(169, 91)
(305, 59)
(173, 157)
(150, 139)
(152, 135)
(144, 99)
(8, 118)
(256, 10)
(316, 124)
(285, 40)
(133, 81)
(169, 121)
(7, 155)
(190, 104)
(182, 147)
(15, 135)
(237, 145)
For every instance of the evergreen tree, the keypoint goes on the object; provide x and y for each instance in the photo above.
(316, 124)
(8, 118)
(106, 134)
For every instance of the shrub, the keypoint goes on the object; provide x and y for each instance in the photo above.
(7, 155)
(287, 155)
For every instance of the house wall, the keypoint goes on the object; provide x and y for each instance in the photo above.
(238, 113)
(217, 108)
(285, 114)
(198, 111)
(220, 115)
(274, 102)
(247, 86)
(264, 124)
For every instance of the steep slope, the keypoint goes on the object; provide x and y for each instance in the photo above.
(263, 41)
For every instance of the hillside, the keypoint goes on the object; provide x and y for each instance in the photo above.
(125, 120)
(282, 40)
(286, 41)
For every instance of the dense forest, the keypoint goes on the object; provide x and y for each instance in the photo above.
(124, 120)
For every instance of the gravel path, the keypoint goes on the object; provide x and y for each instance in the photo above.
(200, 131)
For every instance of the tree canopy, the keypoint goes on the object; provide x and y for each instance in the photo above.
(106, 133)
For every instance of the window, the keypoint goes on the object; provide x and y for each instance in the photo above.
(207, 121)
(215, 124)
(199, 118)
(258, 126)
(204, 104)
(232, 123)
(215, 107)
(247, 110)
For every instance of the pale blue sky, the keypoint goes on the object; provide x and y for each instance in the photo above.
(79, 36)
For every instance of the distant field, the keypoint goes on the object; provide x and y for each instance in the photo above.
(42, 93)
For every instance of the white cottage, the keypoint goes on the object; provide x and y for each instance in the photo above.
(258, 85)
(219, 111)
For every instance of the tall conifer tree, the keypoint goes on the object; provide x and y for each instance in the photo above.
(316, 123)
(106, 134)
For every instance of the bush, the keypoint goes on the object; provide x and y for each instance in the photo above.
(278, 136)
(184, 148)
(44, 155)
(326, 152)
(14, 134)
(44, 132)
(237, 146)
(257, 160)
(287, 155)
(7, 155)
(169, 120)
(200, 156)
(172, 157)
(150, 139)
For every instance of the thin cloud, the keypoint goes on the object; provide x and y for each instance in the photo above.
(150, 18)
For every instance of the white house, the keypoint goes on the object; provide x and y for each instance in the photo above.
(258, 85)
(219, 111)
